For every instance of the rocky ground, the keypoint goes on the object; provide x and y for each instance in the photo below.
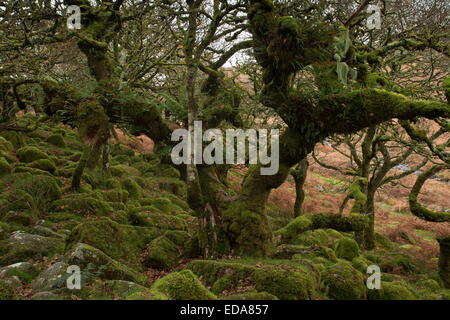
(133, 235)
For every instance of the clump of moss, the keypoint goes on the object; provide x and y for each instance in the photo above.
(5, 145)
(83, 204)
(5, 168)
(162, 254)
(56, 140)
(30, 154)
(183, 285)
(347, 249)
(294, 284)
(391, 291)
(16, 138)
(133, 188)
(360, 264)
(116, 195)
(121, 242)
(343, 282)
(123, 171)
(43, 164)
(44, 189)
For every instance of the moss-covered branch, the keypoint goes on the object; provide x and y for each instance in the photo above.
(416, 208)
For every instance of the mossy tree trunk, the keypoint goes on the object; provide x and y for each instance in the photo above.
(299, 173)
(444, 261)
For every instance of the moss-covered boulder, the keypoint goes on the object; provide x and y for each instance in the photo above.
(21, 246)
(56, 140)
(44, 164)
(347, 249)
(121, 242)
(83, 204)
(183, 285)
(133, 188)
(341, 281)
(162, 254)
(44, 189)
(285, 281)
(96, 263)
(391, 291)
(29, 154)
(123, 171)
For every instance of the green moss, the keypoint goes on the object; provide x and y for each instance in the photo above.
(183, 285)
(360, 264)
(391, 291)
(343, 282)
(16, 138)
(56, 140)
(94, 263)
(5, 168)
(347, 248)
(5, 145)
(226, 282)
(44, 189)
(250, 229)
(116, 195)
(382, 241)
(43, 164)
(83, 204)
(121, 242)
(162, 254)
(6, 291)
(123, 171)
(312, 237)
(296, 226)
(294, 284)
(30, 154)
(134, 190)
(397, 262)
